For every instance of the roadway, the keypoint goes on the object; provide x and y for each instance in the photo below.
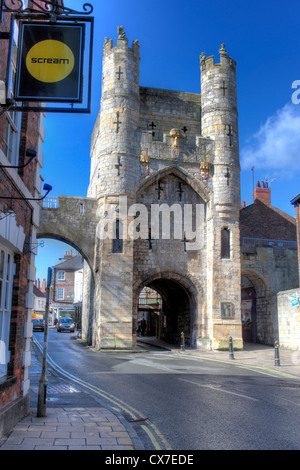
(181, 402)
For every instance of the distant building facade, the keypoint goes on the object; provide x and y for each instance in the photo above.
(66, 286)
(39, 305)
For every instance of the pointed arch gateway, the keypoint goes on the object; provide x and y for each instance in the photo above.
(198, 186)
(166, 264)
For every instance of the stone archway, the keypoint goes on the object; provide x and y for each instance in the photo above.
(74, 222)
(179, 311)
(89, 283)
(257, 321)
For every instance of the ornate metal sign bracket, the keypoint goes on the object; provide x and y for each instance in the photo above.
(52, 13)
(49, 8)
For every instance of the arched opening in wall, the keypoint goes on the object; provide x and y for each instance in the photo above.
(70, 272)
(175, 309)
(149, 313)
(256, 327)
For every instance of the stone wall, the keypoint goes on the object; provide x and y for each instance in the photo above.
(74, 221)
(289, 318)
(269, 270)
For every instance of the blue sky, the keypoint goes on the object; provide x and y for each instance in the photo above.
(263, 38)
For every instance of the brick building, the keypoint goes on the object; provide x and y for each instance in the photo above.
(21, 134)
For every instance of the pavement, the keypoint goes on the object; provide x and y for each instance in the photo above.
(77, 421)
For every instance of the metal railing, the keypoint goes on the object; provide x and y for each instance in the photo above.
(50, 203)
(269, 242)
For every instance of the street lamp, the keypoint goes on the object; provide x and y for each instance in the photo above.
(47, 187)
(29, 153)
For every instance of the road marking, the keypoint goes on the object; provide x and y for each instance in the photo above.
(254, 368)
(290, 401)
(157, 439)
(212, 387)
(173, 368)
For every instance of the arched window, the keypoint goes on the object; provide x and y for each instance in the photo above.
(118, 241)
(225, 243)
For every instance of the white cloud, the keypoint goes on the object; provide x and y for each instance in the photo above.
(276, 146)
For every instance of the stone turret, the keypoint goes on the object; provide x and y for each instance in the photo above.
(115, 170)
(114, 147)
(219, 122)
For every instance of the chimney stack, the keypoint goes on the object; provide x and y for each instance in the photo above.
(262, 193)
(43, 288)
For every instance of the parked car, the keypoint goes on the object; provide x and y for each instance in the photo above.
(38, 324)
(66, 324)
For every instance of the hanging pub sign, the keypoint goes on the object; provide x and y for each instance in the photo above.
(50, 62)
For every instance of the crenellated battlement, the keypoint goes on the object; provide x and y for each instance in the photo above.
(122, 43)
(209, 62)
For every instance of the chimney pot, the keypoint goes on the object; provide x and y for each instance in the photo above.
(262, 192)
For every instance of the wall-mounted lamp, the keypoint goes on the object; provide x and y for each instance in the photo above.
(46, 187)
(29, 153)
(30, 247)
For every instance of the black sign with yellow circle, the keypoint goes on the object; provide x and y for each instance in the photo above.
(50, 62)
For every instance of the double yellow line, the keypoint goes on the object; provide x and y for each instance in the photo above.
(156, 437)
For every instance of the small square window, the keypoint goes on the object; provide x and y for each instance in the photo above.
(61, 275)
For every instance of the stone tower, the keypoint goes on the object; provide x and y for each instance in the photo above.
(220, 123)
(114, 169)
(189, 144)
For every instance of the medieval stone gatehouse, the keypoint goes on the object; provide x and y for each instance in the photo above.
(163, 206)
